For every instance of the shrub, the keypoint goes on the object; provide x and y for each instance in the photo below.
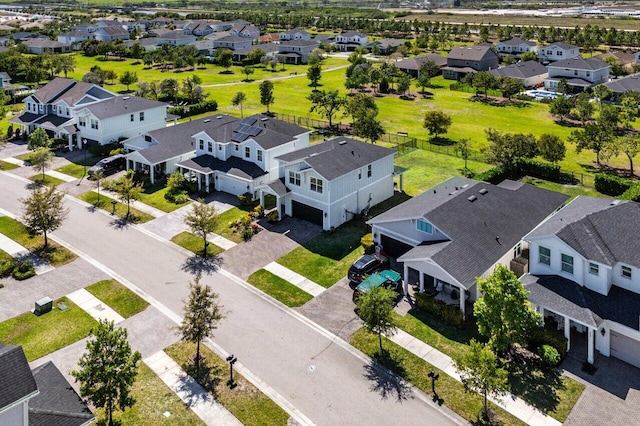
(245, 221)
(6, 267)
(539, 169)
(633, 193)
(23, 270)
(494, 175)
(437, 308)
(258, 211)
(611, 185)
(116, 151)
(272, 216)
(247, 233)
(543, 336)
(246, 199)
(368, 244)
(103, 150)
(195, 109)
(549, 354)
(181, 198)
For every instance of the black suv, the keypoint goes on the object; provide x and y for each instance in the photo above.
(109, 164)
(367, 265)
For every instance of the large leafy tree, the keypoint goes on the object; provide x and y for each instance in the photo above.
(108, 369)
(327, 103)
(436, 122)
(551, 147)
(38, 139)
(375, 309)
(561, 107)
(202, 220)
(224, 58)
(510, 86)
(368, 126)
(43, 211)
(128, 78)
(479, 371)
(314, 73)
(628, 145)
(503, 313)
(202, 313)
(594, 137)
(506, 148)
(266, 94)
(484, 81)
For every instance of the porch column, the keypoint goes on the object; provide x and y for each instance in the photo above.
(567, 331)
(590, 342)
(421, 282)
(462, 301)
(401, 182)
(199, 179)
(406, 280)
(70, 142)
(206, 182)
(262, 198)
(151, 174)
(541, 312)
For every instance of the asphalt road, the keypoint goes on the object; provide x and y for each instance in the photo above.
(325, 379)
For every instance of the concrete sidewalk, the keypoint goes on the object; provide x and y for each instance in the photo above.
(295, 279)
(94, 306)
(190, 392)
(12, 160)
(61, 176)
(510, 403)
(18, 252)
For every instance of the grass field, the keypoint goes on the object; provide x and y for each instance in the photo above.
(79, 168)
(154, 196)
(118, 297)
(47, 180)
(194, 244)
(136, 216)
(279, 289)
(7, 166)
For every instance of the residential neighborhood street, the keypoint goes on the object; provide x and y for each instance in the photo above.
(320, 375)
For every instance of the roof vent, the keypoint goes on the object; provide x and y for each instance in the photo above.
(207, 120)
(498, 239)
(125, 98)
(264, 119)
(219, 117)
(615, 202)
(465, 185)
(342, 143)
(483, 191)
(472, 198)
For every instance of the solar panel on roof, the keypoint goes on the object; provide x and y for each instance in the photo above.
(249, 121)
(254, 131)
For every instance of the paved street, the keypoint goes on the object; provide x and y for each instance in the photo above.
(323, 377)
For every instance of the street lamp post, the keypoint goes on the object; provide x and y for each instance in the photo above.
(113, 207)
(231, 360)
(84, 164)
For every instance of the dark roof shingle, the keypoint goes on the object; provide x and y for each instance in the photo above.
(16, 380)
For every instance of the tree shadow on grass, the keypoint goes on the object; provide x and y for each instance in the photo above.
(464, 335)
(197, 265)
(209, 378)
(537, 387)
(389, 384)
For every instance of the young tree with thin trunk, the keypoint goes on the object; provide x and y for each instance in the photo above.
(41, 160)
(266, 94)
(202, 313)
(202, 220)
(238, 100)
(43, 211)
(128, 78)
(628, 145)
(97, 177)
(375, 309)
(314, 73)
(463, 148)
(128, 190)
(108, 369)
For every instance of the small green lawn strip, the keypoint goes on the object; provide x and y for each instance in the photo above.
(224, 226)
(48, 180)
(79, 168)
(245, 401)
(7, 166)
(154, 196)
(153, 399)
(194, 244)
(55, 254)
(414, 369)
(279, 289)
(325, 258)
(25, 157)
(118, 297)
(41, 335)
(136, 216)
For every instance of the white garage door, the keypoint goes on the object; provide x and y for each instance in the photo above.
(625, 348)
(232, 186)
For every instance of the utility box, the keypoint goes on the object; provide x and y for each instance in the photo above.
(43, 306)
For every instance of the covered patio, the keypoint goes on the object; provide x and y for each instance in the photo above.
(234, 175)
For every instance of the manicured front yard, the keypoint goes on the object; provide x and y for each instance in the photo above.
(41, 335)
(195, 244)
(118, 297)
(79, 168)
(154, 196)
(136, 216)
(224, 226)
(7, 166)
(55, 254)
(47, 180)
(245, 401)
(279, 289)
(325, 258)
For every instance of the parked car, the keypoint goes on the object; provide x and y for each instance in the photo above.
(109, 164)
(387, 278)
(367, 265)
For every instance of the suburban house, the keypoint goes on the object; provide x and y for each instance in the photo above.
(326, 39)
(461, 229)
(579, 73)
(585, 274)
(111, 34)
(294, 34)
(350, 41)
(626, 60)
(198, 28)
(78, 111)
(219, 152)
(516, 47)
(296, 51)
(331, 182)
(386, 46)
(558, 51)
(232, 43)
(244, 29)
(412, 66)
(149, 43)
(629, 83)
(270, 50)
(40, 45)
(74, 38)
(5, 82)
(530, 73)
(176, 38)
(463, 60)
(38, 397)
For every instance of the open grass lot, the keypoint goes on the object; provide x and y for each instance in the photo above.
(41, 335)
(54, 254)
(279, 289)
(47, 180)
(245, 401)
(569, 189)
(78, 168)
(153, 398)
(154, 196)
(415, 370)
(194, 244)
(118, 297)
(325, 258)
(136, 216)
(4, 166)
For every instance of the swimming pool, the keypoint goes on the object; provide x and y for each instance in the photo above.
(541, 94)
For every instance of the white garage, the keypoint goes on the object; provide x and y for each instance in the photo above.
(230, 185)
(625, 348)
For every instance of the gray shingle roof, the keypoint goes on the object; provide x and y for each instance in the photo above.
(562, 45)
(64, 89)
(630, 83)
(517, 41)
(338, 156)
(416, 62)
(301, 43)
(233, 166)
(580, 63)
(16, 380)
(471, 53)
(525, 69)
(120, 105)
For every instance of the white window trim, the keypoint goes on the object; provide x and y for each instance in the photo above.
(624, 268)
(563, 263)
(594, 267)
(547, 256)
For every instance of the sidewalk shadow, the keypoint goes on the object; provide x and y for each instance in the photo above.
(387, 384)
(197, 265)
(209, 379)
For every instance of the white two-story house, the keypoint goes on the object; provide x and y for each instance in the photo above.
(579, 73)
(558, 51)
(294, 34)
(350, 41)
(516, 47)
(585, 274)
(330, 182)
(296, 51)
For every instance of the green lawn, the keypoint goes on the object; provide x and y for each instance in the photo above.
(569, 189)
(136, 216)
(414, 370)
(7, 166)
(48, 180)
(194, 244)
(78, 169)
(246, 402)
(224, 225)
(54, 254)
(41, 335)
(154, 196)
(153, 399)
(279, 289)
(118, 297)
(325, 258)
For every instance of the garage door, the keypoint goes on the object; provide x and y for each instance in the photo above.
(306, 212)
(231, 186)
(393, 247)
(625, 348)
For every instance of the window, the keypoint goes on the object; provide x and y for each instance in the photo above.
(369, 170)
(359, 174)
(237, 147)
(201, 144)
(594, 269)
(294, 178)
(219, 147)
(517, 250)
(567, 263)
(588, 73)
(259, 154)
(94, 124)
(210, 146)
(142, 116)
(559, 53)
(131, 118)
(575, 72)
(626, 272)
(316, 185)
(544, 255)
(424, 226)
(82, 121)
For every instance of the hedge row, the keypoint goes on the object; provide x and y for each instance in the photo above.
(633, 193)
(439, 309)
(544, 336)
(611, 184)
(521, 167)
(195, 109)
